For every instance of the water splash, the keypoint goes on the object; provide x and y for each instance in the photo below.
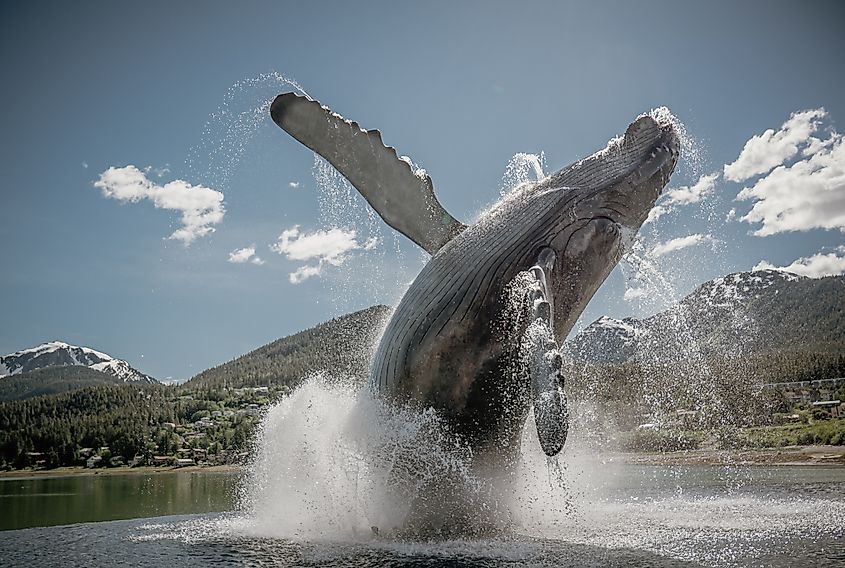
(522, 172)
(522, 169)
(229, 130)
(333, 462)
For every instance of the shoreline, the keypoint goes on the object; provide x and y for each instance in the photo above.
(786, 456)
(80, 471)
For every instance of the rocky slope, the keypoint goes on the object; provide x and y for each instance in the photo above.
(742, 313)
(60, 354)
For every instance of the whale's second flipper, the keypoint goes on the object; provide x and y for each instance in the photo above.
(404, 198)
(545, 362)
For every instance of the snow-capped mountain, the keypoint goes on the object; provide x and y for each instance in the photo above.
(60, 354)
(608, 339)
(735, 289)
(731, 315)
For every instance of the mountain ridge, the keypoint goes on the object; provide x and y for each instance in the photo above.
(60, 354)
(342, 346)
(743, 312)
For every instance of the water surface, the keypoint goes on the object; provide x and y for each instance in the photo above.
(45, 501)
(635, 516)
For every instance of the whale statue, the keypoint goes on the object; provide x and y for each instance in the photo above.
(476, 334)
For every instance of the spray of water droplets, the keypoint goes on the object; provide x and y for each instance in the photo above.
(230, 129)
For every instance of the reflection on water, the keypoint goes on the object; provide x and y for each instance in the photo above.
(635, 516)
(44, 501)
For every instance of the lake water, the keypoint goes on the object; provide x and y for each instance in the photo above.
(644, 516)
(45, 501)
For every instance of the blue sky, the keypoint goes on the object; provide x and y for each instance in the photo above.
(461, 87)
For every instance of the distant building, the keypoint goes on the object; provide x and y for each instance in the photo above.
(687, 418)
(835, 407)
(93, 461)
(182, 462)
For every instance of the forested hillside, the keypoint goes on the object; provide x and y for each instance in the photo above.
(52, 380)
(736, 315)
(124, 420)
(342, 346)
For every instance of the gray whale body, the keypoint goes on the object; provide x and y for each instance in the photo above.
(457, 340)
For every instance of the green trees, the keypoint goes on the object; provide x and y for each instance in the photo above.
(128, 419)
(342, 346)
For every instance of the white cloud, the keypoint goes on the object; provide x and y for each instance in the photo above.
(673, 245)
(85, 165)
(681, 196)
(815, 266)
(632, 294)
(246, 254)
(809, 194)
(693, 194)
(326, 247)
(293, 184)
(201, 207)
(656, 212)
(770, 149)
(304, 273)
(731, 216)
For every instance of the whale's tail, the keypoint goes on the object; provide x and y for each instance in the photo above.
(401, 195)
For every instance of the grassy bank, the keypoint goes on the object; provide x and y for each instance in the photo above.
(822, 433)
(124, 470)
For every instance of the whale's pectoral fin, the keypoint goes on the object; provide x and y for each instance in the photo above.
(550, 412)
(545, 363)
(402, 196)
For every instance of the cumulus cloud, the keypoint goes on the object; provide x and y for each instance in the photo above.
(772, 148)
(809, 194)
(815, 266)
(200, 207)
(330, 247)
(682, 196)
(731, 216)
(632, 294)
(674, 245)
(656, 213)
(693, 194)
(246, 254)
(304, 273)
(293, 184)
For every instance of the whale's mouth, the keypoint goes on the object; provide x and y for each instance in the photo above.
(650, 144)
(630, 174)
(665, 151)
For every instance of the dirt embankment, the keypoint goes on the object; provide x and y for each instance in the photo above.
(790, 455)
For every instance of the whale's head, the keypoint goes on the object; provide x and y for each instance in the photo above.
(596, 206)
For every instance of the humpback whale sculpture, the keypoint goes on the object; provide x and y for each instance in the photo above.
(525, 269)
